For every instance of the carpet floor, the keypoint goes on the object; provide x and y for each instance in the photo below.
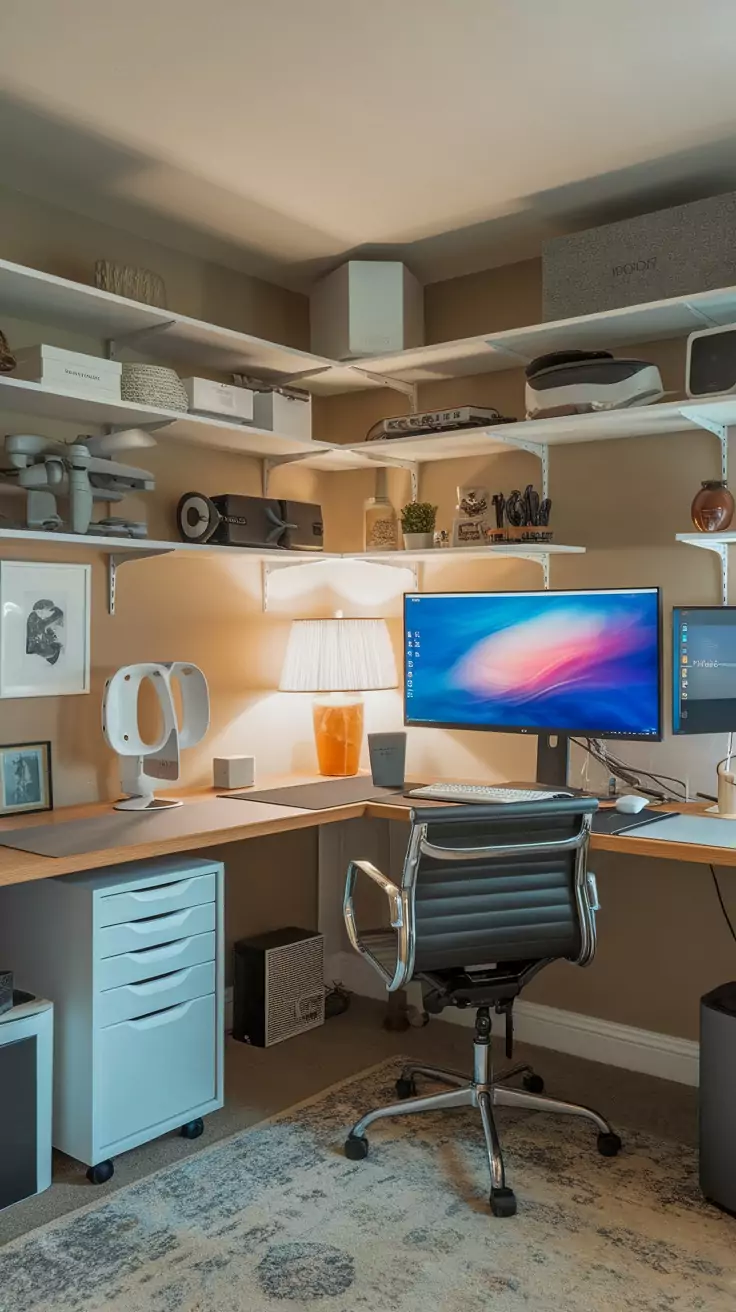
(277, 1216)
(262, 1082)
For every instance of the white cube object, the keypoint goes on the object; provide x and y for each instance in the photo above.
(223, 400)
(234, 771)
(366, 307)
(290, 416)
(69, 371)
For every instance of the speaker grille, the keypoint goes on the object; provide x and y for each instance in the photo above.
(295, 995)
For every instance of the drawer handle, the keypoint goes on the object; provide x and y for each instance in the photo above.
(154, 923)
(162, 1017)
(159, 985)
(149, 956)
(161, 891)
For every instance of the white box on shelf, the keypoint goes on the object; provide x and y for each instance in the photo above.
(70, 371)
(222, 400)
(234, 771)
(286, 412)
(366, 307)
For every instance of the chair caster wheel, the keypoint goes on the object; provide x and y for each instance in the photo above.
(406, 1088)
(533, 1083)
(609, 1145)
(503, 1202)
(101, 1173)
(192, 1129)
(356, 1148)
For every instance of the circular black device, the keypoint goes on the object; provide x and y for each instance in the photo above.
(197, 517)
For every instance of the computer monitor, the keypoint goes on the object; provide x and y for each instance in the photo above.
(704, 669)
(555, 664)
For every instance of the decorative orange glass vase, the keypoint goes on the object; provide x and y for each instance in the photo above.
(338, 733)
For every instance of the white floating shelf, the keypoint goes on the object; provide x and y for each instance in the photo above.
(27, 293)
(160, 546)
(710, 540)
(29, 398)
(609, 330)
(602, 426)
(222, 435)
(512, 550)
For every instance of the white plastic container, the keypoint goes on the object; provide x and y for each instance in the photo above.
(366, 307)
(279, 412)
(221, 400)
(68, 371)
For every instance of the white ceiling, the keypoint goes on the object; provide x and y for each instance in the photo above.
(279, 136)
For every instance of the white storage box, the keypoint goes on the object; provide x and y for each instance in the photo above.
(287, 412)
(366, 307)
(69, 371)
(222, 400)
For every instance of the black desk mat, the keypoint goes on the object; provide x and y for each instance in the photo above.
(611, 821)
(322, 796)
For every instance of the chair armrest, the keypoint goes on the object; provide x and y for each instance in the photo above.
(398, 919)
(593, 891)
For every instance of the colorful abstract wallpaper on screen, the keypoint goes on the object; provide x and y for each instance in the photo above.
(575, 662)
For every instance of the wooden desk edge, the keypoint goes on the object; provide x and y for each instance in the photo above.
(17, 867)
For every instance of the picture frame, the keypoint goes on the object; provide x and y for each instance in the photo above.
(44, 629)
(25, 778)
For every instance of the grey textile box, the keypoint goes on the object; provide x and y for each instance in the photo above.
(690, 248)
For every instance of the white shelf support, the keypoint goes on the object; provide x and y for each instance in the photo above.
(129, 339)
(722, 432)
(118, 558)
(720, 549)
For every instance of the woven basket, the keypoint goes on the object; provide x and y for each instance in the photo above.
(153, 384)
(127, 280)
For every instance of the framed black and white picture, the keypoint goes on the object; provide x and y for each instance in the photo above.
(25, 778)
(44, 629)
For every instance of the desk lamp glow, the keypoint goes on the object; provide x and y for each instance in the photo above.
(144, 764)
(338, 659)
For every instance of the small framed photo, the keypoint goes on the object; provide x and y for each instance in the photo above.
(25, 778)
(44, 629)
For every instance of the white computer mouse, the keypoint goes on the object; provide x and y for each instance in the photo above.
(630, 803)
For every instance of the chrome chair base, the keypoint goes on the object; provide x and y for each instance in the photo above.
(484, 1092)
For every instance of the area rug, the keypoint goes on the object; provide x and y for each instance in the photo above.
(276, 1217)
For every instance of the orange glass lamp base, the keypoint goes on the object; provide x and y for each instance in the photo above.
(338, 734)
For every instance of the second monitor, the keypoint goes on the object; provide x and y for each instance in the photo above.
(555, 664)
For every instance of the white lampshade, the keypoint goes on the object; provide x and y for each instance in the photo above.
(338, 656)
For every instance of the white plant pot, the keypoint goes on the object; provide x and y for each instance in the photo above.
(418, 541)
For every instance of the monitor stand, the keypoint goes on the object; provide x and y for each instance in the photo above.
(553, 759)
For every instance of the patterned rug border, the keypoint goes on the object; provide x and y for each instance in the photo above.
(47, 1226)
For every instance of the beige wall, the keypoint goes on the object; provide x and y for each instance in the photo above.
(662, 939)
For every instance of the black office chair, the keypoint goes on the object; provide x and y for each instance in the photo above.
(506, 885)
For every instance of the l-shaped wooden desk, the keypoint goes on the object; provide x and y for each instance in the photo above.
(254, 819)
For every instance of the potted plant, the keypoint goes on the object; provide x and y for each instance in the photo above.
(417, 525)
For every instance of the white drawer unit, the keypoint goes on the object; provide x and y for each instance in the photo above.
(132, 958)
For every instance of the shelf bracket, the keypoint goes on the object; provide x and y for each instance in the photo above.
(129, 339)
(114, 562)
(539, 560)
(721, 550)
(721, 431)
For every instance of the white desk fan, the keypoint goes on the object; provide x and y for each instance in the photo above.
(144, 764)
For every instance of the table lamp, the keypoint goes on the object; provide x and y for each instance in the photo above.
(338, 659)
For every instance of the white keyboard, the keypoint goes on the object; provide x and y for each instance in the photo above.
(481, 793)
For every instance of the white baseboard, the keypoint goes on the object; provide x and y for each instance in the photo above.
(645, 1051)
